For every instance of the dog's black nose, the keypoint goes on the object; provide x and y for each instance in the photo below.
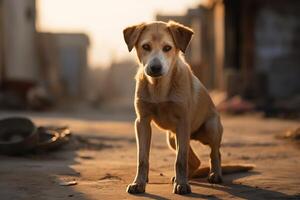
(155, 69)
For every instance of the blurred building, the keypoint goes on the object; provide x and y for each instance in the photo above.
(37, 65)
(249, 48)
(120, 83)
(263, 47)
(18, 59)
(64, 60)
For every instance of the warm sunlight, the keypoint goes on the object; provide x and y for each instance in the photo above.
(211, 111)
(103, 22)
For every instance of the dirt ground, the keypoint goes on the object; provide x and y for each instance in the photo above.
(102, 160)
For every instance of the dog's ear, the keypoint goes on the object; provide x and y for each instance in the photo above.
(181, 34)
(131, 35)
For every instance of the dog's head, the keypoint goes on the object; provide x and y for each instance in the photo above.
(157, 45)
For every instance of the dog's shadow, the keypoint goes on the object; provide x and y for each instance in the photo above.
(152, 196)
(231, 188)
(239, 190)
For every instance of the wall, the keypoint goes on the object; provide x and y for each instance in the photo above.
(1, 42)
(20, 58)
(64, 57)
(277, 47)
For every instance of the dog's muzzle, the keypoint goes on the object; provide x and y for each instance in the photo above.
(154, 68)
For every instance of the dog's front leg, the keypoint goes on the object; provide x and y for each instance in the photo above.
(143, 138)
(181, 185)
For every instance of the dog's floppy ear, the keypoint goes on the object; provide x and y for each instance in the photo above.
(181, 34)
(132, 33)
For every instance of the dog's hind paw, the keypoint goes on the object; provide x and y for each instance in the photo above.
(135, 188)
(214, 178)
(173, 179)
(182, 188)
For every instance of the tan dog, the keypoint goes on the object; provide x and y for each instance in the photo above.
(170, 95)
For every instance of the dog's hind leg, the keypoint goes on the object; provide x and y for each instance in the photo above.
(193, 162)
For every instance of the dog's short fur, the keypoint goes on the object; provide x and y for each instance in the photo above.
(170, 95)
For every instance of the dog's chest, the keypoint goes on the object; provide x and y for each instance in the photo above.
(166, 115)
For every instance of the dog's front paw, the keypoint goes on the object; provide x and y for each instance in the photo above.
(182, 188)
(214, 178)
(135, 188)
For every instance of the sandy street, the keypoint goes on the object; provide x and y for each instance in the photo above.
(102, 160)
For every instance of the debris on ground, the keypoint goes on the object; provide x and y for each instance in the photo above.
(68, 183)
(109, 177)
(236, 105)
(19, 135)
(293, 134)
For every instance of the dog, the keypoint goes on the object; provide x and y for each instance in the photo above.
(170, 95)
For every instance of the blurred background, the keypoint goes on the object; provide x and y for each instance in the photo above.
(67, 55)
(64, 65)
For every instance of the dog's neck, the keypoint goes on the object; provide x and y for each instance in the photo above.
(158, 88)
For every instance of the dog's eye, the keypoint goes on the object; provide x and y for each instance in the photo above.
(146, 47)
(167, 48)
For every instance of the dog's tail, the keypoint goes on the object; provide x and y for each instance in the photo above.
(226, 169)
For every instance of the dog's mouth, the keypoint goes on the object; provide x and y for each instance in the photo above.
(154, 74)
